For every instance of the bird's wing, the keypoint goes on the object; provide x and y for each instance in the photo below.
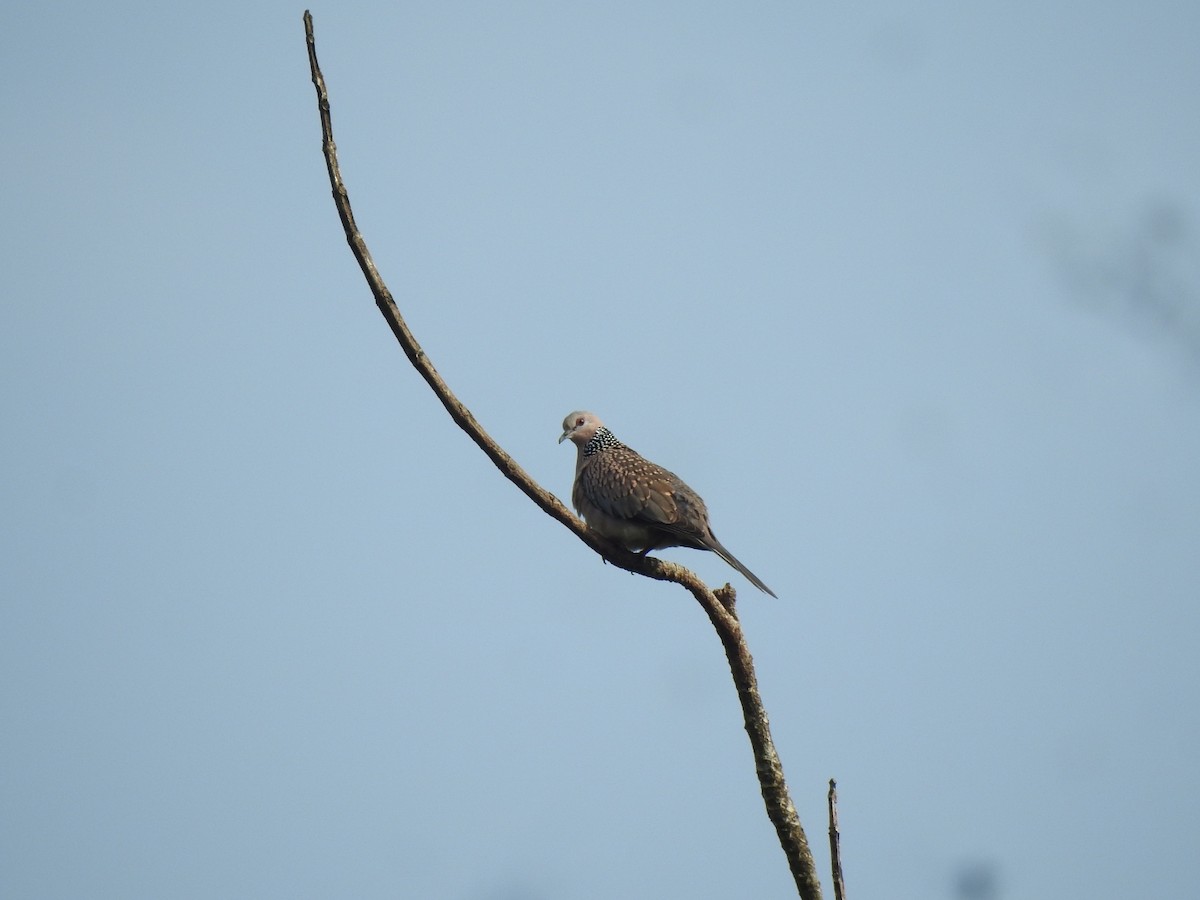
(625, 485)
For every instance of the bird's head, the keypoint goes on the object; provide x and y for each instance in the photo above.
(580, 426)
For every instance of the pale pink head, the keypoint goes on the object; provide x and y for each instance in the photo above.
(580, 426)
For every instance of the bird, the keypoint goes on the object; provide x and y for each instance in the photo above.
(633, 502)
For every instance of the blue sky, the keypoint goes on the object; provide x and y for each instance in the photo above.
(909, 293)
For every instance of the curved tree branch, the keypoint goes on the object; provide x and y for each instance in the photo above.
(719, 605)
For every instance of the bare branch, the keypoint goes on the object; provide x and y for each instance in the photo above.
(719, 606)
(835, 845)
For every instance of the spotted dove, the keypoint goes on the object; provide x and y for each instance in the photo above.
(631, 501)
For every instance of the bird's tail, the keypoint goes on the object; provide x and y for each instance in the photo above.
(719, 549)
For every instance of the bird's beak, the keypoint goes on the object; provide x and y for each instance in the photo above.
(562, 437)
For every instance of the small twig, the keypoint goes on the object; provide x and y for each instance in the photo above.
(720, 612)
(835, 845)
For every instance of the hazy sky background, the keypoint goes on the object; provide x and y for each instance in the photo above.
(910, 293)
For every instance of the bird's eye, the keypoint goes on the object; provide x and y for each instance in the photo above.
(578, 422)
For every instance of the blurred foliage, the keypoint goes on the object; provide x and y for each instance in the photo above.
(1144, 269)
